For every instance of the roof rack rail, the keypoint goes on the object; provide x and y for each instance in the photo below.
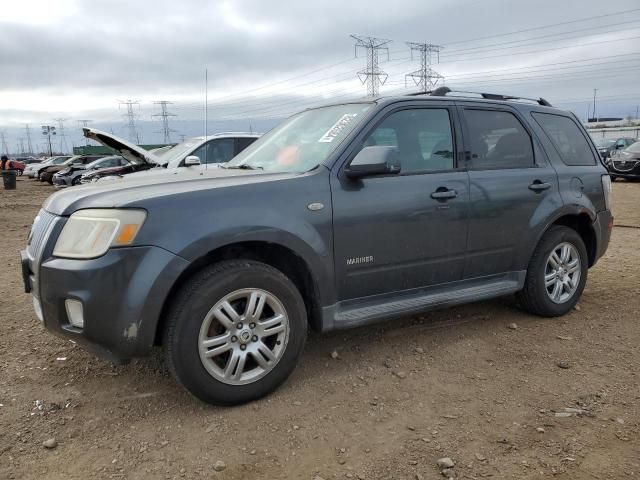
(442, 92)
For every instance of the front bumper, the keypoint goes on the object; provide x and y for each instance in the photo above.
(122, 294)
(61, 182)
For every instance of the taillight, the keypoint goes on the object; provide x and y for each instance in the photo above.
(606, 188)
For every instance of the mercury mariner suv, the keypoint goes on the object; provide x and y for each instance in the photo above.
(341, 216)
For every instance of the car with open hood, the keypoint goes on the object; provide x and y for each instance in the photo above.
(190, 157)
(71, 175)
(47, 173)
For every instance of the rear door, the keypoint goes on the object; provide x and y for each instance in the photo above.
(402, 231)
(510, 185)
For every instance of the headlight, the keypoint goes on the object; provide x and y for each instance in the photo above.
(90, 233)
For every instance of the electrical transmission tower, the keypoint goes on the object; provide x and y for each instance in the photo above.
(27, 129)
(5, 147)
(63, 136)
(164, 114)
(131, 120)
(83, 124)
(373, 76)
(21, 146)
(182, 137)
(425, 78)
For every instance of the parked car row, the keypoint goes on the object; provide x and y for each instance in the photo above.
(621, 156)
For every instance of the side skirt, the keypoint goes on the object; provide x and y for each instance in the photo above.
(363, 311)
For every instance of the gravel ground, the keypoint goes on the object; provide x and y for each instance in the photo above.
(502, 393)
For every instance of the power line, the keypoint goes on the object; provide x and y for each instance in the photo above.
(27, 130)
(164, 113)
(3, 142)
(373, 76)
(84, 124)
(588, 29)
(64, 148)
(425, 78)
(131, 119)
(586, 19)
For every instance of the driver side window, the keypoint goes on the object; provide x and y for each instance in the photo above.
(215, 151)
(422, 136)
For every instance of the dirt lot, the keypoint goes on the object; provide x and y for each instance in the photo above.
(456, 383)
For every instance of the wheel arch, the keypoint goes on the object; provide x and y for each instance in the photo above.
(582, 222)
(281, 257)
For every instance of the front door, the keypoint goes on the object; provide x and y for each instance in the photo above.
(510, 181)
(403, 231)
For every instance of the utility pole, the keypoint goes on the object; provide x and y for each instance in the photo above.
(164, 114)
(3, 139)
(63, 136)
(84, 124)
(29, 144)
(131, 119)
(49, 130)
(425, 78)
(182, 137)
(21, 146)
(373, 76)
(595, 91)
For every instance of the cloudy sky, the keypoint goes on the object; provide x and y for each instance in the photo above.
(76, 59)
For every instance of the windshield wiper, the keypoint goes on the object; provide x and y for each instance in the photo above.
(243, 166)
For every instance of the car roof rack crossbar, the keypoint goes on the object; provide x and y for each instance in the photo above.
(443, 91)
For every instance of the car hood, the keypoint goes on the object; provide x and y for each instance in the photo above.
(131, 152)
(120, 194)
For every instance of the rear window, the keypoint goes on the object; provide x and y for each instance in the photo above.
(567, 138)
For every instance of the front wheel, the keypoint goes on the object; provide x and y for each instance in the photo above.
(235, 332)
(557, 273)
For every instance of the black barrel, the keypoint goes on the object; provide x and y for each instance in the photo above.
(9, 179)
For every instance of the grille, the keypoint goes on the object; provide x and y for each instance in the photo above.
(624, 166)
(39, 231)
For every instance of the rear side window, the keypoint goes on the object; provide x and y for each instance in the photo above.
(569, 141)
(497, 139)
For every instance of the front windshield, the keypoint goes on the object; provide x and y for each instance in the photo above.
(302, 142)
(180, 150)
(59, 160)
(634, 148)
(604, 143)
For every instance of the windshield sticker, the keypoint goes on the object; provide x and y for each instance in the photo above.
(338, 127)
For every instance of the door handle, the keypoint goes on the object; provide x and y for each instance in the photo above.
(538, 186)
(443, 193)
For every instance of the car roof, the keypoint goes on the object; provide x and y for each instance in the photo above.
(520, 103)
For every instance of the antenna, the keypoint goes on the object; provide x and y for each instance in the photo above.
(206, 113)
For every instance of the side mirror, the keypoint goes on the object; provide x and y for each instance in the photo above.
(191, 160)
(374, 160)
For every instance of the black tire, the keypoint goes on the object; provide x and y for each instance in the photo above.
(75, 181)
(188, 311)
(533, 297)
(19, 173)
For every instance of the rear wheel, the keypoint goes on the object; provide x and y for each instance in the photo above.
(557, 273)
(235, 332)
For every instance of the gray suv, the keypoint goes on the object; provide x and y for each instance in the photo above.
(342, 216)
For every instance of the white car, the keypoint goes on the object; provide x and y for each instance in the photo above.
(33, 169)
(190, 157)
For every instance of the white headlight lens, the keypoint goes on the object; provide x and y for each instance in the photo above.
(90, 233)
